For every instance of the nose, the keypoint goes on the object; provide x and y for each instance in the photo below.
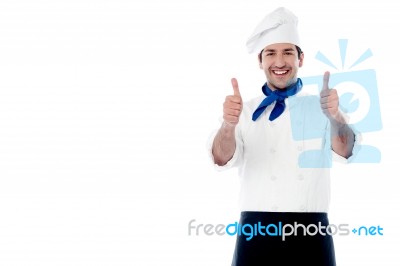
(279, 62)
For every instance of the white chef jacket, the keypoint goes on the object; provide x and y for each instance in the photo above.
(267, 156)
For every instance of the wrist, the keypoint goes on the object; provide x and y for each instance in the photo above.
(337, 119)
(228, 129)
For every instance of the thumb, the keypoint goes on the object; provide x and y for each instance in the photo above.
(325, 85)
(235, 86)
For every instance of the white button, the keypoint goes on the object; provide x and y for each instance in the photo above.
(273, 177)
(302, 207)
(300, 177)
(299, 148)
(274, 208)
(272, 150)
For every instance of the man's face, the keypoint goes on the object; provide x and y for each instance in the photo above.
(280, 63)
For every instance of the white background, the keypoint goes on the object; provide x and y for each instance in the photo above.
(105, 111)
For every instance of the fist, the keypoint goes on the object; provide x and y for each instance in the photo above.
(329, 99)
(233, 105)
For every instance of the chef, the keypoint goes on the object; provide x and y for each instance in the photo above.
(279, 181)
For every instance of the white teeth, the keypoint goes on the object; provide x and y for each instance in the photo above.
(280, 72)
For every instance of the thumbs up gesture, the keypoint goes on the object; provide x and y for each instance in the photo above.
(233, 105)
(329, 99)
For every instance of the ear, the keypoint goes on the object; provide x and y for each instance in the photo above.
(301, 60)
(259, 61)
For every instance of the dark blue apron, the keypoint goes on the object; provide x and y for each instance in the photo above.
(271, 249)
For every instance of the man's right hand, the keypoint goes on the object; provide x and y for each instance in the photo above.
(233, 105)
(224, 144)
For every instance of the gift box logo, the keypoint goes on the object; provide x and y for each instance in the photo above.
(358, 101)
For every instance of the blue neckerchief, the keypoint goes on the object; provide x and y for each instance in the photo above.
(279, 96)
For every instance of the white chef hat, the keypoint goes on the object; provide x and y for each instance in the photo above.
(280, 26)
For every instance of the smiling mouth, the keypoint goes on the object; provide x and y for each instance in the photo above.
(280, 72)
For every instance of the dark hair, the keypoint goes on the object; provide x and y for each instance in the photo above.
(299, 52)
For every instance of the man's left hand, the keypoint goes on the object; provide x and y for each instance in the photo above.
(329, 99)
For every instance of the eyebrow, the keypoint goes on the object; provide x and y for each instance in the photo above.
(285, 50)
